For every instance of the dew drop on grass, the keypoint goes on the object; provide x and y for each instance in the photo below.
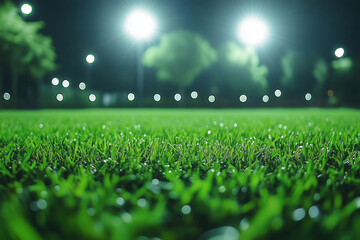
(126, 217)
(314, 212)
(244, 224)
(357, 202)
(244, 189)
(186, 210)
(142, 202)
(222, 189)
(120, 201)
(235, 124)
(155, 181)
(41, 125)
(317, 196)
(90, 211)
(298, 214)
(41, 204)
(209, 132)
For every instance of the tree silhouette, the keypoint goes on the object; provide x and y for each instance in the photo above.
(24, 51)
(180, 57)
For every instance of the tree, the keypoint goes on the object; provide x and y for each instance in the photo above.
(238, 71)
(302, 73)
(23, 50)
(180, 57)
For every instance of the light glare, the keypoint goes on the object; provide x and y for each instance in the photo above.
(253, 31)
(82, 86)
(6, 96)
(265, 98)
(92, 97)
(194, 94)
(157, 97)
(243, 98)
(140, 24)
(131, 97)
(65, 83)
(211, 98)
(277, 93)
(177, 97)
(59, 97)
(55, 81)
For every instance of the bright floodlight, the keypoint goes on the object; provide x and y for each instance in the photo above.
(92, 97)
(157, 97)
(140, 24)
(177, 97)
(243, 98)
(6, 96)
(82, 86)
(131, 97)
(308, 96)
(339, 52)
(265, 98)
(194, 94)
(252, 31)
(26, 9)
(90, 58)
(59, 97)
(55, 81)
(65, 83)
(211, 98)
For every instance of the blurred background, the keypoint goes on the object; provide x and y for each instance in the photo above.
(179, 53)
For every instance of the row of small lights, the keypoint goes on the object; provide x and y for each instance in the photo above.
(194, 95)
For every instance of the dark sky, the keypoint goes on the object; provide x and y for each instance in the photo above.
(78, 27)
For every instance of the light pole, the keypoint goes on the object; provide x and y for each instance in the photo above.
(141, 26)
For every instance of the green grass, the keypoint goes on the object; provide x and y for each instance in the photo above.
(178, 174)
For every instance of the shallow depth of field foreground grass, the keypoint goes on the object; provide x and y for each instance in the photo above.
(180, 174)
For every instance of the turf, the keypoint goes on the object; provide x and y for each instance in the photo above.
(180, 174)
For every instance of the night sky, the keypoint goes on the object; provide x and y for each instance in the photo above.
(79, 27)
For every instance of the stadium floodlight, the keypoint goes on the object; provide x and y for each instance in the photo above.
(140, 24)
(339, 52)
(252, 31)
(26, 8)
(90, 59)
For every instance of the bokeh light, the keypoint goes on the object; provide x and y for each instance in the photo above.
(90, 58)
(253, 31)
(131, 97)
(59, 97)
(157, 97)
(243, 98)
(55, 81)
(92, 97)
(277, 93)
(211, 98)
(7, 96)
(265, 98)
(140, 24)
(177, 97)
(82, 86)
(65, 83)
(339, 52)
(308, 96)
(26, 8)
(194, 94)
(330, 93)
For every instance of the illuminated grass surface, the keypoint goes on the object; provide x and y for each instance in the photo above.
(176, 174)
